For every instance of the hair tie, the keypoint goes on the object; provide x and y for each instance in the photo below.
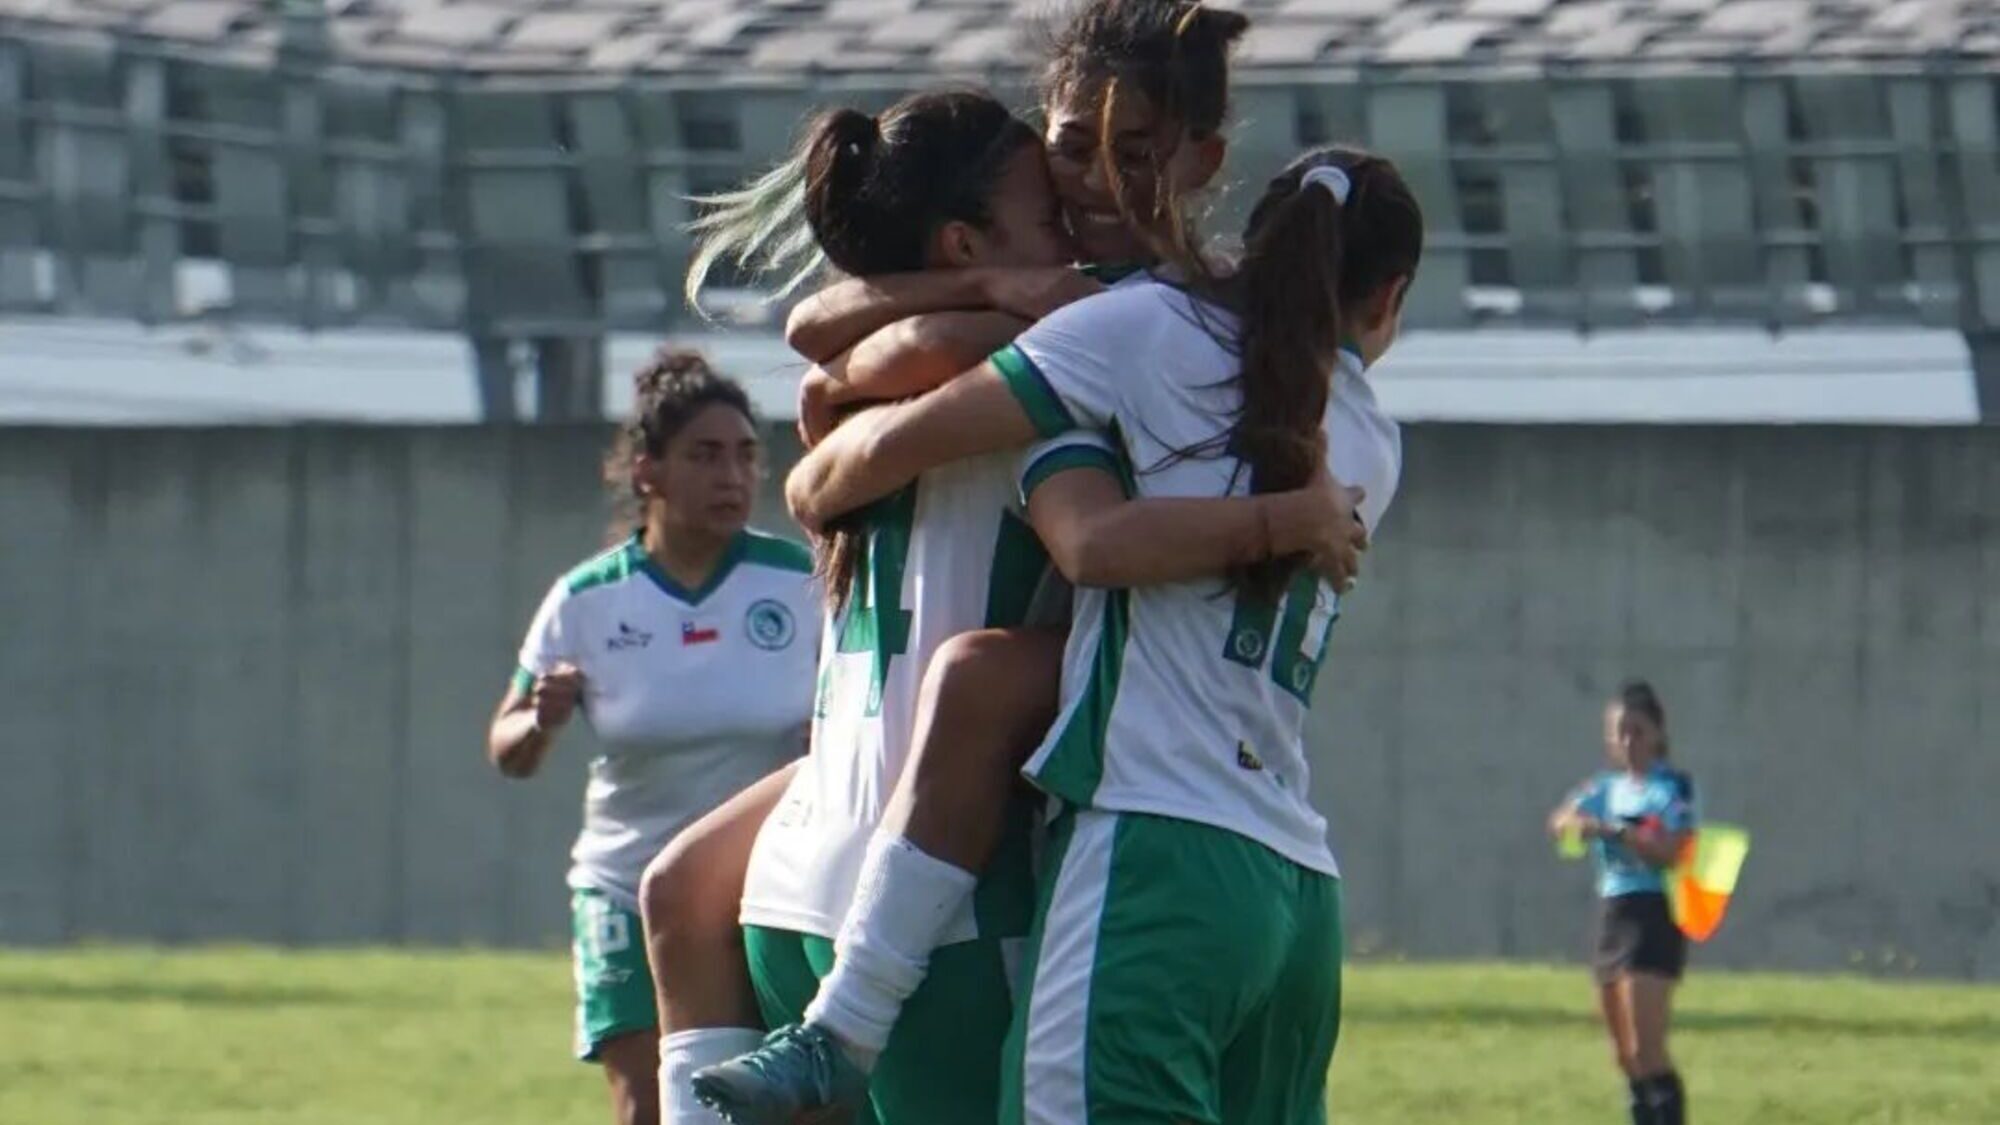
(1187, 19)
(865, 139)
(1331, 177)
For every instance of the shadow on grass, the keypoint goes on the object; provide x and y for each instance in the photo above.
(1528, 1016)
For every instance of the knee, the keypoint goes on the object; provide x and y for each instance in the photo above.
(961, 665)
(673, 898)
(988, 680)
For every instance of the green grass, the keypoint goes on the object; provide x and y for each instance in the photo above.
(111, 1036)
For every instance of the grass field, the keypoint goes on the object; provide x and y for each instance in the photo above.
(221, 1036)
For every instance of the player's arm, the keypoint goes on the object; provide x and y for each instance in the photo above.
(524, 725)
(1657, 849)
(1570, 815)
(884, 448)
(840, 316)
(1096, 536)
(903, 359)
(1065, 381)
(1665, 835)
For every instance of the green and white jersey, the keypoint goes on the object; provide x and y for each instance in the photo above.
(947, 554)
(1186, 700)
(693, 694)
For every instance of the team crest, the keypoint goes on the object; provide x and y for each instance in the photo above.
(1302, 676)
(769, 625)
(1248, 645)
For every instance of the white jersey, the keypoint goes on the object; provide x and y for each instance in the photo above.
(693, 694)
(1183, 700)
(947, 554)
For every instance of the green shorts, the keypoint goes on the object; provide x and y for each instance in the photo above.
(942, 1064)
(614, 988)
(1176, 973)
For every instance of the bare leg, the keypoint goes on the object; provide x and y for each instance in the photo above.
(987, 699)
(1649, 999)
(690, 898)
(1618, 1024)
(631, 1067)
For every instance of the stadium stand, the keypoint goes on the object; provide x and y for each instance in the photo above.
(519, 171)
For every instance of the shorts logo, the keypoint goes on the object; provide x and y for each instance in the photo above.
(1248, 645)
(769, 625)
(1248, 758)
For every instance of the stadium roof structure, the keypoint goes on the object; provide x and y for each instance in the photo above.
(788, 39)
(523, 170)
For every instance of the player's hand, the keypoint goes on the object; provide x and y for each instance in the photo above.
(816, 409)
(555, 696)
(1326, 528)
(1032, 294)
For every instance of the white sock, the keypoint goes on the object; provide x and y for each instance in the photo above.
(684, 1052)
(903, 903)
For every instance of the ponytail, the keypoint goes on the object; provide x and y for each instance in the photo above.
(840, 160)
(1330, 231)
(770, 227)
(866, 194)
(760, 229)
(863, 193)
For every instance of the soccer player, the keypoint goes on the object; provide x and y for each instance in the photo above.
(1637, 816)
(689, 646)
(947, 554)
(1185, 962)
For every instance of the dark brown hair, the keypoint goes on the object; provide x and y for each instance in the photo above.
(668, 390)
(1639, 696)
(1173, 53)
(865, 192)
(878, 188)
(876, 191)
(1307, 259)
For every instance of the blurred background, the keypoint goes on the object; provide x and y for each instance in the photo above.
(312, 315)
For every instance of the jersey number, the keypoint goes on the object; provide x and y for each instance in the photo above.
(1251, 642)
(875, 620)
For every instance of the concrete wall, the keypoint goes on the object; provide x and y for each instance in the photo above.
(246, 672)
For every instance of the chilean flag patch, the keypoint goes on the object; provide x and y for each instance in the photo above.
(692, 634)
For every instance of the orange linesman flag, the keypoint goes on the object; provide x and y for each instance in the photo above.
(1702, 879)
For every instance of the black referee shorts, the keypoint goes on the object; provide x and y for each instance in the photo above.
(1636, 934)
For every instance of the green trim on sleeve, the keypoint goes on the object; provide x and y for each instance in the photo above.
(614, 564)
(1064, 458)
(1031, 389)
(523, 681)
